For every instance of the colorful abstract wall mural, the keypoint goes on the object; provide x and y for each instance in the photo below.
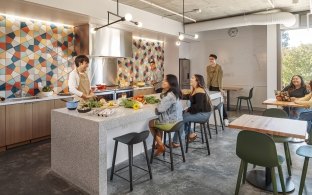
(33, 52)
(138, 67)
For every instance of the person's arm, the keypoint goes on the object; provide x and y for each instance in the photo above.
(73, 83)
(306, 100)
(208, 78)
(220, 78)
(286, 88)
(165, 103)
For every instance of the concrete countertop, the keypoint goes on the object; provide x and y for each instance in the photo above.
(39, 99)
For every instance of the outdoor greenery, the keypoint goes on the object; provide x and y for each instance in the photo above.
(296, 61)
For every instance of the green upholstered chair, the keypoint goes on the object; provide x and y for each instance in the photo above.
(247, 98)
(306, 150)
(279, 113)
(249, 151)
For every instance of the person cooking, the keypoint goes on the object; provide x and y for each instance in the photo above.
(214, 80)
(156, 77)
(78, 82)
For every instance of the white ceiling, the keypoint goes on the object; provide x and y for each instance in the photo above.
(213, 9)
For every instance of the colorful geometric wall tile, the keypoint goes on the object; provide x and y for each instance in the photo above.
(138, 67)
(32, 52)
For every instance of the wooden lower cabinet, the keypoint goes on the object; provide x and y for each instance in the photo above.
(60, 103)
(41, 119)
(18, 122)
(2, 126)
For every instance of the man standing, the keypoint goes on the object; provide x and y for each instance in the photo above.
(214, 80)
(78, 82)
(156, 77)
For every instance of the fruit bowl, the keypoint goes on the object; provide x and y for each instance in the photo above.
(47, 94)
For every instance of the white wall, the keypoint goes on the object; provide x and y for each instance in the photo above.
(171, 62)
(272, 60)
(184, 50)
(243, 59)
(98, 9)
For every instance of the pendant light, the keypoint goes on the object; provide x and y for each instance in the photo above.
(127, 17)
(182, 35)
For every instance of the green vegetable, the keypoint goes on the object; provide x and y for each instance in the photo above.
(47, 89)
(151, 100)
(93, 104)
(127, 103)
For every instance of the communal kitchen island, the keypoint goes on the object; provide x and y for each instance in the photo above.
(82, 144)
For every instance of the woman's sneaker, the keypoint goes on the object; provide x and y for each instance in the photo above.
(226, 122)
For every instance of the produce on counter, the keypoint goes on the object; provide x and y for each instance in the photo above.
(151, 100)
(130, 103)
(106, 112)
(47, 89)
(139, 98)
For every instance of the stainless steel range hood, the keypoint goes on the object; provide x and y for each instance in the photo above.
(106, 42)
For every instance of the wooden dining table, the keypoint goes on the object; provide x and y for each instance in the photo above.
(274, 102)
(228, 90)
(271, 126)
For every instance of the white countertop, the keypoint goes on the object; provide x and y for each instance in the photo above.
(140, 88)
(39, 99)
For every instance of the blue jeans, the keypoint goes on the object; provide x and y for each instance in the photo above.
(198, 117)
(295, 112)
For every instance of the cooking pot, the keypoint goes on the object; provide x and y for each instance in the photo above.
(72, 105)
(101, 86)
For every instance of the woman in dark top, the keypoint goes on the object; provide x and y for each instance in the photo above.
(296, 89)
(200, 105)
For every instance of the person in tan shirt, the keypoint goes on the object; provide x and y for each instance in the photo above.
(214, 80)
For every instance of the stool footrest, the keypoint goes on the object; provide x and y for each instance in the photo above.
(136, 179)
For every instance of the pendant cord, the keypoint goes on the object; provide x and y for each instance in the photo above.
(183, 18)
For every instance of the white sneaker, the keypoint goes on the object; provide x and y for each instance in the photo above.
(226, 122)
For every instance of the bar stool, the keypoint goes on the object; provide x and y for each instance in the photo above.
(217, 108)
(130, 139)
(203, 130)
(176, 128)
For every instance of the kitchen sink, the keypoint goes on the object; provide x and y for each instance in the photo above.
(21, 99)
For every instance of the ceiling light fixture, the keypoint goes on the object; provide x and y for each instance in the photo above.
(191, 11)
(178, 43)
(271, 3)
(37, 20)
(127, 17)
(183, 34)
(168, 10)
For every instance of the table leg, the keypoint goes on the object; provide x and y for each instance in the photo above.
(262, 179)
(228, 100)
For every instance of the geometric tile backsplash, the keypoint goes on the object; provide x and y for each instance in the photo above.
(138, 67)
(33, 52)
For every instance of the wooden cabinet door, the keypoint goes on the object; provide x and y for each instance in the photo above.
(2, 126)
(60, 103)
(41, 119)
(18, 123)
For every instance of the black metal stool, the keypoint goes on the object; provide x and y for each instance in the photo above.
(176, 128)
(203, 130)
(130, 139)
(217, 108)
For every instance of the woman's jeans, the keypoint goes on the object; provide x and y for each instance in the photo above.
(197, 118)
(294, 113)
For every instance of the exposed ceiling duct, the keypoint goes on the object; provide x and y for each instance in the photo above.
(285, 18)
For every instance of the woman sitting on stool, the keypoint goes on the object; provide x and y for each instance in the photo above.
(200, 105)
(169, 110)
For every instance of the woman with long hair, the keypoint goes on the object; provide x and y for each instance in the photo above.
(169, 111)
(296, 89)
(200, 105)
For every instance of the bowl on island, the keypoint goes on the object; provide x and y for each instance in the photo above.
(47, 94)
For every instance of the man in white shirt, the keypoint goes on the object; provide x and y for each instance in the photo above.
(156, 77)
(78, 82)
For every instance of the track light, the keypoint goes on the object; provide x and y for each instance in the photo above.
(196, 36)
(128, 17)
(139, 24)
(178, 43)
(181, 37)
